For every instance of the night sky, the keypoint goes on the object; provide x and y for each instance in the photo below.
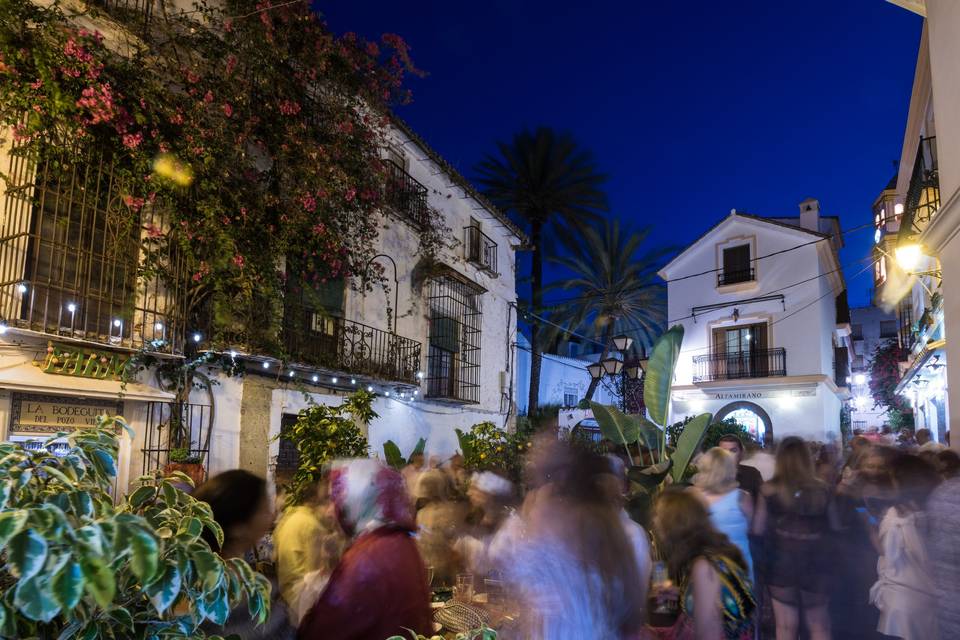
(692, 108)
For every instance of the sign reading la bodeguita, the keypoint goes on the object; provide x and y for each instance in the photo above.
(35, 413)
(68, 360)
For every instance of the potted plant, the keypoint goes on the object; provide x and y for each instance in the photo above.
(186, 462)
(75, 564)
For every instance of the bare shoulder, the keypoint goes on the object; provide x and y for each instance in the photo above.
(703, 573)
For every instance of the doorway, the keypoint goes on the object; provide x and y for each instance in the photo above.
(752, 416)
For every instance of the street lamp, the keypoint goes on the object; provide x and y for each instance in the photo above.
(596, 370)
(633, 371)
(622, 342)
(612, 365)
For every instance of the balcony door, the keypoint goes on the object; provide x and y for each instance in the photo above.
(741, 352)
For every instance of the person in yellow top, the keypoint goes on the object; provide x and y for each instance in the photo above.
(307, 545)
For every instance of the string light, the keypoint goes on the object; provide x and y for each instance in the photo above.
(266, 365)
(333, 379)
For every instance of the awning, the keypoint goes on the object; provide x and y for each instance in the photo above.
(18, 373)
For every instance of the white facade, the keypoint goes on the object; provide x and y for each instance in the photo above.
(563, 380)
(760, 332)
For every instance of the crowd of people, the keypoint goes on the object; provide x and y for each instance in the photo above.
(804, 542)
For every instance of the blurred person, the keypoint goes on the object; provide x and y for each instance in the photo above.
(307, 541)
(748, 478)
(496, 524)
(242, 508)
(574, 571)
(793, 515)
(618, 487)
(827, 464)
(459, 478)
(948, 463)
(922, 437)
(411, 472)
(904, 591)
(439, 523)
(906, 438)
(943, 549)
(716, 597)
(379, 587)
(731, 509)
(761, 458)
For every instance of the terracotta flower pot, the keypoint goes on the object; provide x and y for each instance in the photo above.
(194, 470)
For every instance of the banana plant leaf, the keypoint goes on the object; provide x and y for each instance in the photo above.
(649, 477)
(658, 377)
(391, 453)
(466, 447)
(689, 443)
(418, 450)
(615, 425)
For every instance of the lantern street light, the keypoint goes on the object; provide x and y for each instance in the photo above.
(633, 371)
(596, 370)
(622, 343)
(612, 365)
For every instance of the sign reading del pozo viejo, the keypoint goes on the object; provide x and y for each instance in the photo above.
(34, 413)
(67, 360)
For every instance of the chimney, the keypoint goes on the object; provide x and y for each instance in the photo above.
(810, 214)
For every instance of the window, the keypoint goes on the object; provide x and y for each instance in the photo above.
(70, 253)
(880, 270)
(856, 332)
(888, 328)
(570, 396)
(453, 358)
(741, 351)
(313, 326)
(736, 266)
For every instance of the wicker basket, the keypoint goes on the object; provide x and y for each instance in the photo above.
(460, 617)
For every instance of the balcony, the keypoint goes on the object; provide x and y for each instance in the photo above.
(338, 344)
(923, 194)
(727, 276)
(406, 196)
(481, 250)
(757, 363)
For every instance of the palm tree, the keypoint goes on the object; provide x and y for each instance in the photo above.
(617, 290)
(544, 178)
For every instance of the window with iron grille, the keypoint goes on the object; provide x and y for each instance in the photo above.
(70, 252)
(288, 458)
(906, 323)
(453, 359)
(888, 328)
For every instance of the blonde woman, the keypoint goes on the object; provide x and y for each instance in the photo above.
(731, 508)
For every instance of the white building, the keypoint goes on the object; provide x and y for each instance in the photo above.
(869, 328)
(563, 380)
(760, 332)
(436, 346)
(928, 192)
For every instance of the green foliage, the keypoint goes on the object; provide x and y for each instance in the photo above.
(487, 447)
(183, 456)
(322, 434)
(688, 444)
(658, 377)
(716, 430)
(393, 457)
(474, 634)
(78, 566)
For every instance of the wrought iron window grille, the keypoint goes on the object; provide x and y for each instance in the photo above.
(453, 359)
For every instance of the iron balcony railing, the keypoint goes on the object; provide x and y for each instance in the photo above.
(71, 252)
(756, 363)
(923, 194)
(406, 196)
(337, 344)
(480, 249)
(727, 276)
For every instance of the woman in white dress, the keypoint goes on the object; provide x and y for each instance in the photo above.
(904, 592)
(731, 508)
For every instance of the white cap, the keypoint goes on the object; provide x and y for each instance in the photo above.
(491, 483)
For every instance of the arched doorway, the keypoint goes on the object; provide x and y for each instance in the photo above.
(750, 415)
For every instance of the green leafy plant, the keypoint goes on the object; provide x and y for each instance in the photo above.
(649, 435)
(716, 430)
(474, 634)
(75, 565)
(487, 447)
(323, 433)
(183, 455)
(393, 457)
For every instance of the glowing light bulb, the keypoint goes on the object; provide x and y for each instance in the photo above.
(333, 379)
(22, 288)
(266, 365)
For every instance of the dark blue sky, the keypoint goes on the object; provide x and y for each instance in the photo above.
(692, 108)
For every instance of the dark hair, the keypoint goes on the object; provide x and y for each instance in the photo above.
(234, 496)
(914, 480)
(795, 478)
(731, 437)
(686, 533)
(948, 462)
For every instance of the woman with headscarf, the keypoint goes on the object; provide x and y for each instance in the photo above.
(379, 589)
(439, 522)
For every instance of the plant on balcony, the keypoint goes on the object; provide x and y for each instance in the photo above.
(648, 436)
(884, 375)
(75, 565)
(323, 433)
(251, 124)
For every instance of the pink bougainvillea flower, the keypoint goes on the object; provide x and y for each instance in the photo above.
(238, 260)
(132, 140)
(208, 97)
(228, 109)
(351, 194)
